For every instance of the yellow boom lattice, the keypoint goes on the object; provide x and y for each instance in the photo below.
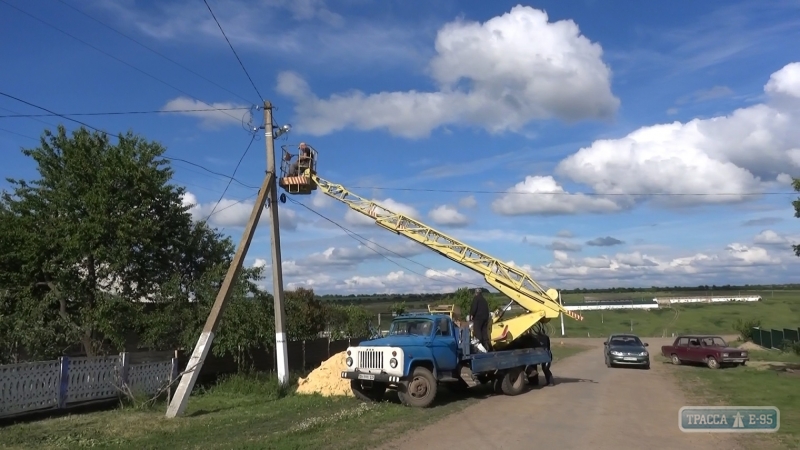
(541, 304)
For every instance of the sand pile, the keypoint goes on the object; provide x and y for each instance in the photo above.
(326, 379)
(751, 346)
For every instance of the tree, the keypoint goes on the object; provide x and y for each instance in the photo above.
(101, 230)
(305, 314)
(796, 204)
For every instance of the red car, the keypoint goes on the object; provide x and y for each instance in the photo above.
(712, 351)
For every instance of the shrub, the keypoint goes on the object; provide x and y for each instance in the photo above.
(745, 328)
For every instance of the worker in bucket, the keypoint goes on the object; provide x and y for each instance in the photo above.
(479, 314)
(544, 342)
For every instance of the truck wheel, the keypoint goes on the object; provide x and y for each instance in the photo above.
(712, 363)
(513, 381)
(370, 394)
(420, 390)
(676, 360)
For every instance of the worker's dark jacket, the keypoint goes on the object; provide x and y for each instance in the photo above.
(544, 341)
(479, 309)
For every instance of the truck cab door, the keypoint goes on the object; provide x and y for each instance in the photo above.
(445, 346)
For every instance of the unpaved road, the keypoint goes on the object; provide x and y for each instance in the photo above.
(591, 407)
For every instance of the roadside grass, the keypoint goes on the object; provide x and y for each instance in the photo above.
(770, 355)
(778, 311)
(245, 411)
(760, 385)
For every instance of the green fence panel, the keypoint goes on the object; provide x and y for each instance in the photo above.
(790, 335)
(766, 339)
(777, 339)
(756, 334)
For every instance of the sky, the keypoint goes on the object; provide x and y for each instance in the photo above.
(641, 145)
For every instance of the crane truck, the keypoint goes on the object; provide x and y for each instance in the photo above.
(424, 350)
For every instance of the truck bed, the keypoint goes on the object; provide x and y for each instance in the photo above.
(506, 359)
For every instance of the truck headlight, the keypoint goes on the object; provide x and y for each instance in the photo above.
(392, 363)
(349, 361)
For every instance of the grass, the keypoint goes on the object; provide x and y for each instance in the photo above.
(244, 412)
(759, 385)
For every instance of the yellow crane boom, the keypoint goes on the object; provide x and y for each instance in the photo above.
(540, 304)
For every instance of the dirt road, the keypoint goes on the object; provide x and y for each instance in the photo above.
(591, 407)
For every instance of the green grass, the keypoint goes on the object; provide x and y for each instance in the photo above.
(244, 412)
(778, 311)
(748, 386)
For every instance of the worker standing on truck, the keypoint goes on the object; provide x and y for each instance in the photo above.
(479, 313)
(544, 341)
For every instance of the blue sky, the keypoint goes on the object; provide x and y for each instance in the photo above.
(561, 125)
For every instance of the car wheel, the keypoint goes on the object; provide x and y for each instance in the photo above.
(676, 360)
(712, 363)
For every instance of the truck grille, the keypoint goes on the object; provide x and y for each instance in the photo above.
(370, 359)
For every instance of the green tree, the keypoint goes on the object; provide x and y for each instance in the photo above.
(100, 230)
(349, 321)
(796, 204)
(305, 314)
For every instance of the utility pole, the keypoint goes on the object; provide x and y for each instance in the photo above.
(561, 314)
(277, 269)
(268, 191)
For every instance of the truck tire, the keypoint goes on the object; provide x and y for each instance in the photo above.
(370, 394)
(676, 360)
(420, 390)
(513, 381)
(712, 363)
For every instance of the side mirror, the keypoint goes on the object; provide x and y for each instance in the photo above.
(646, 344)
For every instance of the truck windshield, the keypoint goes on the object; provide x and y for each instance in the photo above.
(416, 327)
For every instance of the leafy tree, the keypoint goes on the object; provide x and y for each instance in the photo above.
(305, 314)
(348, 321)
(398, 308)
(99, 231)
(796, 204)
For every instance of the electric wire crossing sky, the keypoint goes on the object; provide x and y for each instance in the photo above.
(729, 419)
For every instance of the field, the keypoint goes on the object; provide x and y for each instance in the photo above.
(763, 382)
(242, 412)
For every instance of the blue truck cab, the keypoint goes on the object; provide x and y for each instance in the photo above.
(422, 351)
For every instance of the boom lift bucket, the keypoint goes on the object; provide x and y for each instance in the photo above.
(298, 169)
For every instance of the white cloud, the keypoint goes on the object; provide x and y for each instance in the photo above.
(499, 75)
(770, 237)
(387, 207)
(564, 246)
(544, 196)
(260, 262)
(215, 116)
(236, 213)
(320, 200)
(448, 215)
(352, 256)
(744, 152)
(468, 202)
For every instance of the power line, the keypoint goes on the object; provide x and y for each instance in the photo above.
(112, 56)
(232, 49)
(171, 158)
(231, 205)
(353, 235)
(232, 175)
(152, 50)
(18, 134)
(118, 113)
(667, 194)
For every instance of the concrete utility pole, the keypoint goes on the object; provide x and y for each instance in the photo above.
(561, 314)
(277, 269)
(268, 190)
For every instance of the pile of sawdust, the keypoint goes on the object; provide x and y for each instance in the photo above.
(751, 346)
(326, 379)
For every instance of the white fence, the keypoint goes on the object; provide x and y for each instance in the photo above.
(42, 385)
(610, 306)
(710, 299)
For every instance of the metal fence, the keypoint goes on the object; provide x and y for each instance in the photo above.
(46, 385)
(776, 339)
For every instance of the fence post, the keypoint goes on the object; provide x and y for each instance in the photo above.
(124, 365)
(173, 375)
(63, 381)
